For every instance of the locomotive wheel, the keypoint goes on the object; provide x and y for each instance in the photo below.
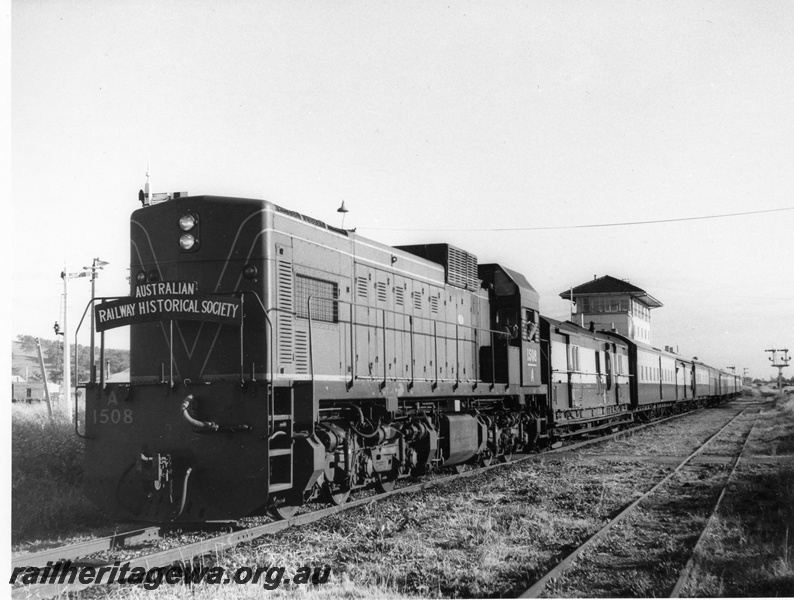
(285, 511)
(385, 483)
(505, 458)
(337, 493)
(460, 468)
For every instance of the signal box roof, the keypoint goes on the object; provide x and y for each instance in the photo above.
(611, 286)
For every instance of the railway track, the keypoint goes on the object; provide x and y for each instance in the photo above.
(687, 570)
(133, 548)
(595, 566)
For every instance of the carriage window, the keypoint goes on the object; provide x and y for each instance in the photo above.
(324, 295)
(573, 358)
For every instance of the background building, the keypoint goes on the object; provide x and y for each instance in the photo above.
(613, 305)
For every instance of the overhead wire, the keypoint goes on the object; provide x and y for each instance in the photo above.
(589, 226)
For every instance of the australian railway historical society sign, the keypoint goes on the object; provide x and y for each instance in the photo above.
(164, 301)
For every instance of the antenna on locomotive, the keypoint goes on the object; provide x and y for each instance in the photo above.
(144, 196)
(344, 211)
(148, 197)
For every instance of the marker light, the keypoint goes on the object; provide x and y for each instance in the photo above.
(249, 271)
(140, 277)
(187, 241)
(187, 222)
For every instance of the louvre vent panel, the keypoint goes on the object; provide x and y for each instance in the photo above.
(301, 352)
(399, 296)
(380, 288)
(361, 287)
(284, 295)
(417, 301)
(434, 304)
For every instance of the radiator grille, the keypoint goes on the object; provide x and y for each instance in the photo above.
(323, 294)
(461, 268)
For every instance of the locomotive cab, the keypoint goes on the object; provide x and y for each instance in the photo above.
(512, 354)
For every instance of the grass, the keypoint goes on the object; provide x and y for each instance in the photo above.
(47, 475)
(750, 551)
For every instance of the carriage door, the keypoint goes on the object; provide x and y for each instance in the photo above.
(599, 378)
(609, 370)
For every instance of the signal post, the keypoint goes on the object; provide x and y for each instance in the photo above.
(780, 359)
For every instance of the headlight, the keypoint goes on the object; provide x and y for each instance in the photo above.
(140, 277)
(187, 222)
(187, 241)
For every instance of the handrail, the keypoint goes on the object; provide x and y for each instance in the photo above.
(457, 357)
(413, 374)
(385, 361)
(353, 347)
(242, 340)
(435, 352)
(76, 360)
(311, 346)
(171, 354)
(271, 399)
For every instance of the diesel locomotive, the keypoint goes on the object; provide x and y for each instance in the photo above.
(275, 359)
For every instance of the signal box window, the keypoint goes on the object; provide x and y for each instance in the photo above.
(324, 295)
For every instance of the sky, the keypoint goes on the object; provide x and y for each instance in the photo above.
(509, 129)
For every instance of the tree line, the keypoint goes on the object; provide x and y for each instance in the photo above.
(52, 350)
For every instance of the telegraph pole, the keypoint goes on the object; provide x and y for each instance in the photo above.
(779, 362)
